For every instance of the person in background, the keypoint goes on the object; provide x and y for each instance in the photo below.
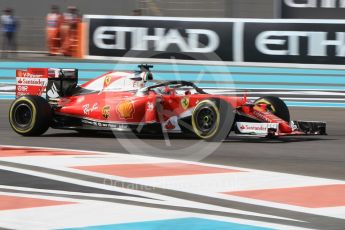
(70, 28)
(9, 26)
(54, 21)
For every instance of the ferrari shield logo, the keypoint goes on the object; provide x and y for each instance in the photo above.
(125, 109)
(106, 111)
(107, 81)
(185, 102)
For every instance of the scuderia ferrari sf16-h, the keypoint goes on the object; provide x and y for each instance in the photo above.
(130, 101)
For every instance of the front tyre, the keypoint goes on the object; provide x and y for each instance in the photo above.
(30, 115)
(276, 106)
(212, 120)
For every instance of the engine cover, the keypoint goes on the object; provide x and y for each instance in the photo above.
(61, 82)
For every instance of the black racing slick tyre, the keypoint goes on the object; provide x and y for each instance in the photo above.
(275, 106)
(30, 115)
(212, 119)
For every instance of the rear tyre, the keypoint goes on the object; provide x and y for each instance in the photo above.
(276, 106)
(30, 115)
(212, 120)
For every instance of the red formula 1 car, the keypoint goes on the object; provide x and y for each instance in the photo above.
(125, 101)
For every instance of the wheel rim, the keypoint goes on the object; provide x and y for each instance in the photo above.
(270, 107)
(23, 115)
(206, 120)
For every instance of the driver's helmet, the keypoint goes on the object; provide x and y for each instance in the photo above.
(146, 76)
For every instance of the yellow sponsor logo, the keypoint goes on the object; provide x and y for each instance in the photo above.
(125, 109)
(106, 111)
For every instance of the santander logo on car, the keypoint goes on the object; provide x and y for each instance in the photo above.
(256, 127)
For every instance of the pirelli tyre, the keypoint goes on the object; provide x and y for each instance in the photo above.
(212, 119)
(30, 115)
(276, 106)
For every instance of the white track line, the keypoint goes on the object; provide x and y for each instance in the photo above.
(249, 177)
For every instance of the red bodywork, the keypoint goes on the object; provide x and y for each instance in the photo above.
(102, 105)
(126, 107)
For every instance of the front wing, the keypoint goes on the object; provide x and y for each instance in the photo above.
(272, 129)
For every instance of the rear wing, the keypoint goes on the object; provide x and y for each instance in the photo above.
(32, 81)
(37, 81)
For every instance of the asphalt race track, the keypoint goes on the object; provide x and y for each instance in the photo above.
(314, 156)
(319, 156)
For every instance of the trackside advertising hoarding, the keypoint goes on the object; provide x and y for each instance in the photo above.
(226, 40)
(327, 9)
(135, 37)
(312, 43)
